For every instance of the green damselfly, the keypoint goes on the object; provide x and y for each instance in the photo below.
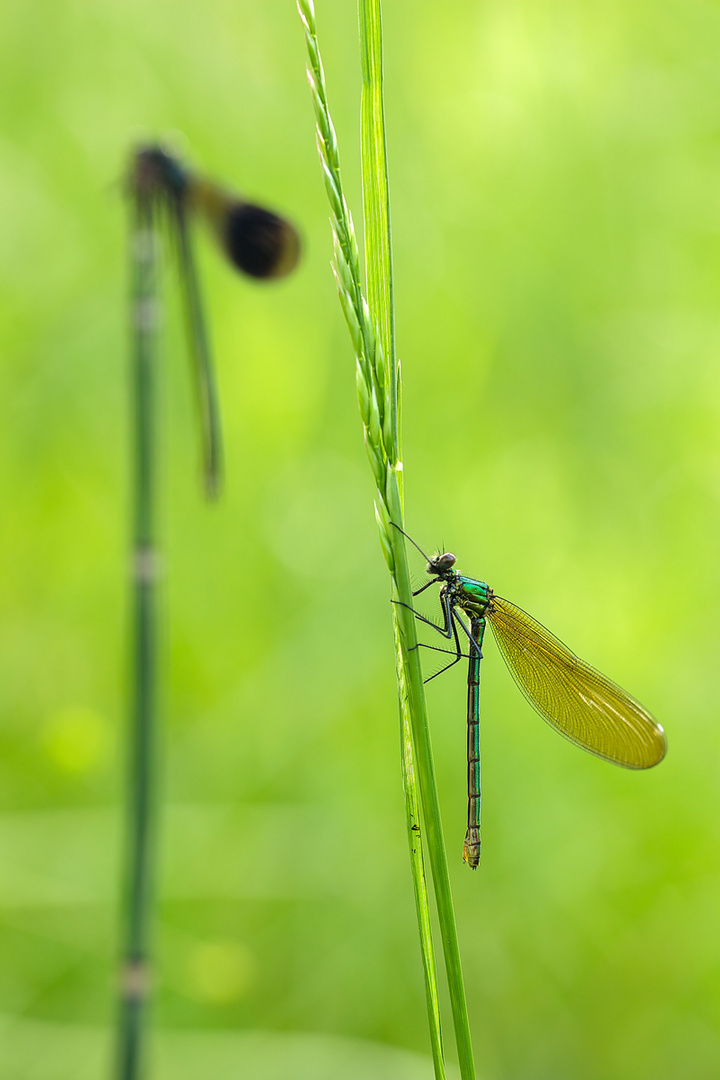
(573, 697)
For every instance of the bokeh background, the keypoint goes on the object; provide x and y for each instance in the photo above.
(555, 177)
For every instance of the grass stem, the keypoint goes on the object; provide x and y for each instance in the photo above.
(138, 883)
(371, 325)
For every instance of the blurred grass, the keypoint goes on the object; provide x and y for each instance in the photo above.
(556, 220)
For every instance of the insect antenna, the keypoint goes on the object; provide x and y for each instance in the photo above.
(414, 544)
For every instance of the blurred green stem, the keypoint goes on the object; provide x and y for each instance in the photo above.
(138, 884)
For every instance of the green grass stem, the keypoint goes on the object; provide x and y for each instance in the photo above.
(139, 862)
(371, 325)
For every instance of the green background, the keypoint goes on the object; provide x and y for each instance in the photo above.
(555, 185)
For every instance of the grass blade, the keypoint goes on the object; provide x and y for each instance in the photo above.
(371, 326)
(138, 869)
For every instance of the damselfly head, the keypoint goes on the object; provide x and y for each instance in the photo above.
(155, 172)
(441, 564)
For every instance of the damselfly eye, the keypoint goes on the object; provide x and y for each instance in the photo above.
(155, 173)
(440, 564)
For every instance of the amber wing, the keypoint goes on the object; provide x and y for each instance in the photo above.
(574, 698)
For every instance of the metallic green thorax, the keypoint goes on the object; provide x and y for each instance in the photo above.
(474, 597)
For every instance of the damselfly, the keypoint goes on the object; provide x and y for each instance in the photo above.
(573, 697)
(164, 195)
(256, 241)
